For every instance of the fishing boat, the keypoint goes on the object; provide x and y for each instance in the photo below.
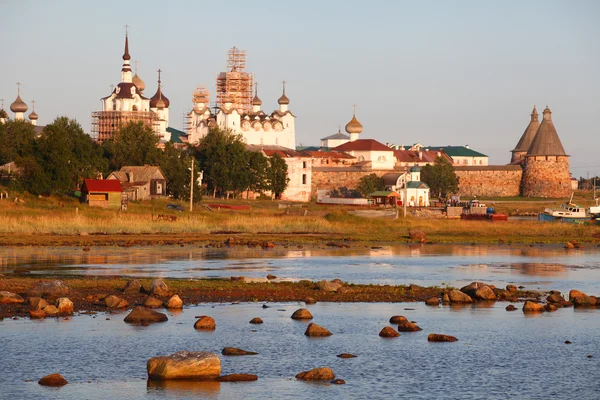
(475, 211)
(569, 213)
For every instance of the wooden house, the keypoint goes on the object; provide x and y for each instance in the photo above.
(102, 193)
(141, 182)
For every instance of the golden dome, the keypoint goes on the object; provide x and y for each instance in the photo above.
(283, 99)
(33, 116)
(354, 126)
(138, 82)
(18, 106)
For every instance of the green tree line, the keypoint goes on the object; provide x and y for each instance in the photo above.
(57, 160)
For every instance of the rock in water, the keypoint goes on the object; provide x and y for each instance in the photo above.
(65, 306)
(396, 319)
(485, 293)
(141, 315)
(388, 332)
(315, 330)
(53, 289)
(205, 322)
(445, 298)
(550, 307)
(174, 303)
(159, 288)
(510, 307)
(435, 337)
(432, 301)
(115, 302)
(37, 314)
(338, 382)
(152, 302)
(346, 355)
(317, 374)
(238, 378)
(302, 313)
(555, 298)
(408, 326)
(132, 287)
(185, 365)
(232, 351)
(256, 320)
(511, 288)
(456, 296)
(531, 307)
(580, 299)
(10, 298)
(53, 380)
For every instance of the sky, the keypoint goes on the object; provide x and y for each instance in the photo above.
(434, 72)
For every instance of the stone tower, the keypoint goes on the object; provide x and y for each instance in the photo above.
(519, 152)
(546, 165)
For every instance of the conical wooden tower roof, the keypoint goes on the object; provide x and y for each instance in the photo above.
(546, 141)
(529, 133)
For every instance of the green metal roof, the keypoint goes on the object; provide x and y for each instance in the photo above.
(416, 185)
(456, 151)
(176, 135)
(383, 193)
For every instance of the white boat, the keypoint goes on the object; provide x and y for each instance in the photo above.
(569, 212)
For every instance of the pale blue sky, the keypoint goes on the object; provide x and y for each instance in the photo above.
(435, 72)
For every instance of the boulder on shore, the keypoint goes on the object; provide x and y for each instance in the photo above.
(330, 286)
(141, 315)
(152, 302)
(205, 323)
(435, 337)
(37, 314)
(174, 303)
(37, 303)
(315, 330)
(232, 351)
(49, 289)
(10, 298)
(397, 319)
(113, 301)
(185, 365)
(302, 313)
(132, 287)
(316, 374)
(456, 296)
(53, 380)
(408, 326)
(51, 310)
(238, 378)
(64, 305)
(388, 332)
(532, 307)
(159, 288)
(417, 234)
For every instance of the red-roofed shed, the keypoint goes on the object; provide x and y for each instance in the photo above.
(102, 193)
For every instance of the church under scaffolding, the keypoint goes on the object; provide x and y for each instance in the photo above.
(235, 85)
(106, 123)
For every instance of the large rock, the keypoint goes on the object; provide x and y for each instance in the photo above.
(132, 287)
(232, 351)
(479, 291)
(532, 307)
(142, 315)
(37, 303)
(397, 319)
(256, 321)
(555, 297)
(330, 286)
(53, 380)
(159, 288)
(510, 307)
(185, 365)
(432, 301)
(50, 310)
(456, 296)
(37, 314)
(315, 330)
(317, 374)
(64, 305)
(174, 303)
(408, 326)
(152, 302)
(435, 337)
(238, 378)
(580, 299)
(389, 332)
(113, 301)
(302, 313)
(205, 322)
(10, 298)
(49, 289)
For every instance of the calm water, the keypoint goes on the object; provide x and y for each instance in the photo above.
(500, 355)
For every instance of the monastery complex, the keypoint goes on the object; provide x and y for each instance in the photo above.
(539, 166)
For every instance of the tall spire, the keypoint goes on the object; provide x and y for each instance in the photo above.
(526, 138)
(534, 114)
(126, 75)
(546, 141)
(126, 55)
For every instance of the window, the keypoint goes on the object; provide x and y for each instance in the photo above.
(304, 179)
(304, 164)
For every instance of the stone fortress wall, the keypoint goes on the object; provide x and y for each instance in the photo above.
(489, 181)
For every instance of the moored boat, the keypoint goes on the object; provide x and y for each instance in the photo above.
(569, 213)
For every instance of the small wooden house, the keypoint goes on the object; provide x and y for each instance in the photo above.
(141, 182)
(385, 198)
(102, 193)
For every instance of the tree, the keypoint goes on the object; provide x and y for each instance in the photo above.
(440, 177)
(176, 165)
(369, 184)
(277, 179)
(133, 144)
(17, 140)
(257, 172)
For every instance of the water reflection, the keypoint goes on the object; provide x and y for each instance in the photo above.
(202, 389)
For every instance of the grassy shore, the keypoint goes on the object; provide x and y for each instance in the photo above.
(55, 221)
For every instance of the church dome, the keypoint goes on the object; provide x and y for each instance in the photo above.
(3, 114)
(18, 106)
(138, 82)
(354, 126)
(159, 96)
(33, 116)
(256, 101)
(283, 99)
(415, 168)
(160, 104)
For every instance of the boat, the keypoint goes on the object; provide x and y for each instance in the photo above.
(475, 211)
(569, 213)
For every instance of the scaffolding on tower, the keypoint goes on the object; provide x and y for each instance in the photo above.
(235, 84)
